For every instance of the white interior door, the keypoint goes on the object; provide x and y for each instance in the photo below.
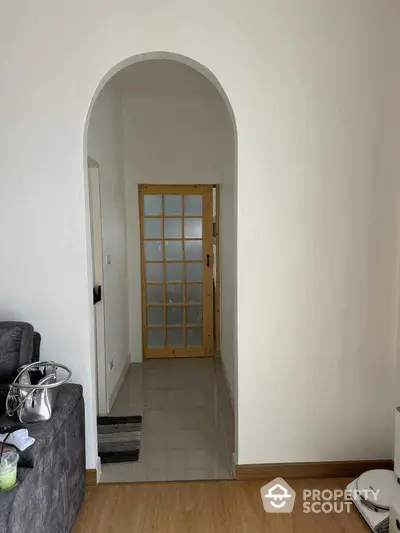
(103, 407)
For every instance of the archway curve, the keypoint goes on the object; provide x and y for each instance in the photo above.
(209, 75)
(148, 56)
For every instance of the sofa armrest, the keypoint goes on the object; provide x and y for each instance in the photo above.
(3, 396)
(16, 345)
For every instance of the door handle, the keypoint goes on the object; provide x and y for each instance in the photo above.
(96, 294)
(208, 260)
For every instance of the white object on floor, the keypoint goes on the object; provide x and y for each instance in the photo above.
(19, 438)
(373, 493)
(394, 518)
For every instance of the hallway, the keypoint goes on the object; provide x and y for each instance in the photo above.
(182, 437)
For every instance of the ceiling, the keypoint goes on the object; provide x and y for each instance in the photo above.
(164, 76)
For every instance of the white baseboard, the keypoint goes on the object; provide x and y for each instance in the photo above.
(115, 392)
(228, 386)
(226, 411)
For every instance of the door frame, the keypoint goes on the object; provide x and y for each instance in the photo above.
(103, 404)
(208, 313)
(218, 296)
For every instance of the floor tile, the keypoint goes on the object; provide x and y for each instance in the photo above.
(156, 475)
(197, 459)
(181, 435)
(176, 439)
(157, 460)
(177, 459)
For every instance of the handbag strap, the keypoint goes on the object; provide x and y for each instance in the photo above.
(31, 365)
(42, 364)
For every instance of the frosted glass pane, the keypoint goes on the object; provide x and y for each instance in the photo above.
(172, 204)
(194, 293)
(152, 204)
(173, 251)
(155, 337)
(155, 316)
(174, 337)
(193, 228)
(193, 204)
(193, 250)
(174, 316)
(153, 251)
(194, 315)
(174, 271)
(154, 272)
(194, 337)
(194, 271)
(174, 294)
(154, 294)
(173, 228)
(152, 228)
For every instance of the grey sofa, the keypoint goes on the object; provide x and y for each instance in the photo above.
(51, 472)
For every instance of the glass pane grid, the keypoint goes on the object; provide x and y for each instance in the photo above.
(175, 337)
(193, 228)
(152, 204)
(175, 316)
(173, 228)
(155, 338)
(184, 279)
(172, 205)
(153, 251)
(195, 337)
(175, 282)
(193, 205)
(164, 273)
(194, 315)
(178, 326)
(152, 326)
(174, 272)
(153, 228)
(188, 304)
(173, 253)
(155, 316)
(154, 273)
(172, 216)
(174, 261)
(150, 239)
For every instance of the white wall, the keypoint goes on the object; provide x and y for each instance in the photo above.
(315, 352)
(388, 197)
(179, 139)
(105, 146)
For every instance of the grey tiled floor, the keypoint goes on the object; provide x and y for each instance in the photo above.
(181, 435)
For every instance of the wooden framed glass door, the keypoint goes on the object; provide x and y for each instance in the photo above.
(176, 270)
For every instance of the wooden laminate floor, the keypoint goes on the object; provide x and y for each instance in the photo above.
(204, 507)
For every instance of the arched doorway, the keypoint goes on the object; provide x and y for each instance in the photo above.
(164, 120)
